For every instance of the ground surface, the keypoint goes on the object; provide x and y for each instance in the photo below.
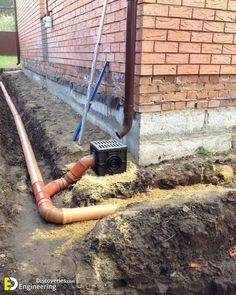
(147, 247)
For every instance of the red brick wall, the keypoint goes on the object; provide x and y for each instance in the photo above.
(67, 49)
(30, 29)
(186, 49)
(188, 54)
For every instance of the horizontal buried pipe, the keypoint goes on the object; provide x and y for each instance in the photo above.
(43, 193)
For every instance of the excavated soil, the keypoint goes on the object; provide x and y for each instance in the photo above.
(172, 214)
(149, 248)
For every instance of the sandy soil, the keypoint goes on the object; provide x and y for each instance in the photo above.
(30, 248)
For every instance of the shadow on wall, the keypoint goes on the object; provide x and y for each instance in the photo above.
(44, 38)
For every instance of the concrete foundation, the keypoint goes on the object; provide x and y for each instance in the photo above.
(158, 136)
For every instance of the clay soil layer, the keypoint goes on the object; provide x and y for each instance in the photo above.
(172, 234)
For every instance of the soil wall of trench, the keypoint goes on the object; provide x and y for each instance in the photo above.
(147, 248)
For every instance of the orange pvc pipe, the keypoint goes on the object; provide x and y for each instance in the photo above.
(43, 193)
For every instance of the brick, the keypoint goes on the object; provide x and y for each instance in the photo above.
(216, 4)
(149, 1)
(164, 70)
(223, 93)
(148, 22)
(213, 94)
(166, 47)
(228, 102)
(193, 86)
(191, 25)
(204, 14)
(168, 106)
(190, 47)
(221, 59)
(178, 36)
(143, 80)
(210, 86)
(180, 11)
(232, 5)
(148, 89)
(182, 80)
(175, 2)
(228, 69)
(169, 96)
(224, 78)
(147, 46)
(144, 70)
(153, 34)
(233, 60)
(209, 69)
(188, 69)
(149, 98)
(167, 23)
(223, 38)
(225, 16)
(167, 87)
(211, 48)
(180, 105)
(197, 95)
(119, 57)
(148, 108)
(155, 9)
(214, 104)
(213, 26)
(202, 104)
(232, 93)
(194, 3)
(230, 27)
(200, 58)
(201, 37)
(190, 104)
(229, 49)
(177, 58)
(152, 58)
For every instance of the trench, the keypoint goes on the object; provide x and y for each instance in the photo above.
(30, 248)
(20, 255)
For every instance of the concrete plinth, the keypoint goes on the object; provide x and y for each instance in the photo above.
(158, 136)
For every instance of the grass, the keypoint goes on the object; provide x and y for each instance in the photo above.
(204, 152)
(7, 23)
(8, 62)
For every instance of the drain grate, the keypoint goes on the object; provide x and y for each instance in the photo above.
(110, 156)
(107, 144)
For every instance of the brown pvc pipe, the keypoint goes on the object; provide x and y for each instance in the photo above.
(44, 193)
(17, 34)
(130, 67)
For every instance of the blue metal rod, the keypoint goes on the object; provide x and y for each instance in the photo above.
(94, 93)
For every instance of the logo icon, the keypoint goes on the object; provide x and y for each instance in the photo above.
(9, 284)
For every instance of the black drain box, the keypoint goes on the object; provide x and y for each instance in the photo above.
(110, 157)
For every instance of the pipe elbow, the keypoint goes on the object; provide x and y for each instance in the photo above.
(120, 134)
(55, 186)
(53, 214)
(79, 168)
(50, 213)
(87, 161)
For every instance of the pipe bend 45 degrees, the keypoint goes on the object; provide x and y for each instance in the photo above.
(43, 193)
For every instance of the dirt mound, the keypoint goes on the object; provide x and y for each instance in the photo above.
(148, 249)
(218, 169)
